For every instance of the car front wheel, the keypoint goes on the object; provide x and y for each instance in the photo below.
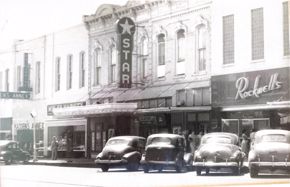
(8, 161)
(253, 172)
(146, 169)
(133, 166)
(198, 171)
(105, 168)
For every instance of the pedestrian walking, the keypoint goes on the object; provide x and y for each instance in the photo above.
(54, 148)
(245, 143)
(193, 140)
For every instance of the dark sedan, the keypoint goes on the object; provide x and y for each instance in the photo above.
(165, 150)
(270, 152)
(10, 152)
(121, 151)
(218, 150)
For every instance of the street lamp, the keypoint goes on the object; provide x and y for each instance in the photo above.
(33, 115)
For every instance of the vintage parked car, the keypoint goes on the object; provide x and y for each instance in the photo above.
(218, 150)
(121, 151)
(165, 150)
(10, 152)
(270, 152)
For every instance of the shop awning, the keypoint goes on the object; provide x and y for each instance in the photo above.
(175, 109)
(97, 109)
(107, 93)
(269, 106)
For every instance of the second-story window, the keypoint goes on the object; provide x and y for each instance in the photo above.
(180, 64)
(113, 63)
(257, 34)
(97, 66)
(82, 70)
(57, 74)
(1, 79)
(201, 48)
(286, 29)
(144, 55)
(7, 80)
(37, 78)
(161, 55)
(180, 45)
(228, 40)
(69, 71)
(18, 77)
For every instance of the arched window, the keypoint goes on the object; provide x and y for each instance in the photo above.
(180, 45)
(201, 48)
(161, 49)
(97, 66)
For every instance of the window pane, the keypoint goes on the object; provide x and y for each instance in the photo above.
(181, 45)
(161, 49)
(286, 29)
(198, 97)
(82, 70)
(257, 34)
(228, 40)
(206, 98)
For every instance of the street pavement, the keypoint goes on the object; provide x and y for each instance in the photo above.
(51, 176)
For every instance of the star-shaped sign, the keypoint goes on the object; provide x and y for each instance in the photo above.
(126, 27)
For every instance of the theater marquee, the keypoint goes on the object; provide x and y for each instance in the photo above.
(126, 29)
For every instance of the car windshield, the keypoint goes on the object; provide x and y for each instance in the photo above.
(274, 138)
(164, 140)
(118, 142)
(224, 140)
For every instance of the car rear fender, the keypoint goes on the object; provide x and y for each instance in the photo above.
(135, 155)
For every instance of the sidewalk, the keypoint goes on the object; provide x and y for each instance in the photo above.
(68, 162)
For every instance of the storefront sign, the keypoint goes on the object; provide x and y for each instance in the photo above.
(63, 105)
(243, 91)
(14, 95)
(250, 88)
(126, 29)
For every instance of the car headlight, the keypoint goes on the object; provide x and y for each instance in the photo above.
(236, 155)
(99, 156)
(197, 156)
(252, 156)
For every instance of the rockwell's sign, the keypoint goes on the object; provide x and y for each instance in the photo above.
(255, 87)
(126, 30)
(243, 90)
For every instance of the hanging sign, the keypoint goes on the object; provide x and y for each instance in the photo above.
(125, 29)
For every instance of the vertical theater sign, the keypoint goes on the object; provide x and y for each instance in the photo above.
(125, 29)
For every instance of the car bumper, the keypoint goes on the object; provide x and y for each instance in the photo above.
(111, 162)
(215, 164)
(153, 162)
(270, 165)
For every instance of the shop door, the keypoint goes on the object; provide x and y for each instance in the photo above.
(99, 140)
(123, 125)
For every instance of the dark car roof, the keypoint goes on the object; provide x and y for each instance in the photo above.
(5, 142)
(165, 135)
(127, 137)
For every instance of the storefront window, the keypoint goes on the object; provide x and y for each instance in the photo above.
(230, 125)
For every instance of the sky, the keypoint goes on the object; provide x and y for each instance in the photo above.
(28, 19)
